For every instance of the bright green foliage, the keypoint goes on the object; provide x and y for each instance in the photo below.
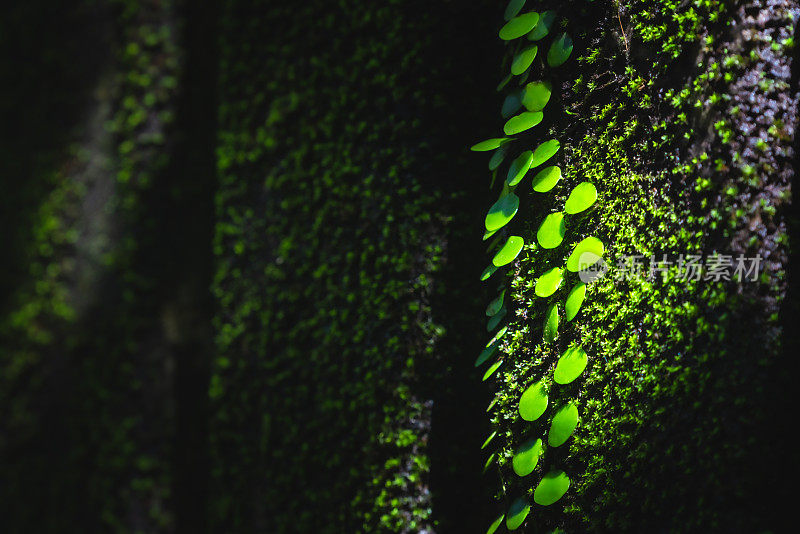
(585, 254)
(518, 168)
(552, 487)
(523, 59)
(527, 457)
(546, 179)
(549, 282)
(536, 95)
(563, 425)
(533, 402)
(551, 323)
(519, 26)
(509, 251)
(574, 300)
(517, 513)
(581, 198)
(489, 372)
(524, 121)
(497, 522)
(544, 152)
(551, 232)
(501, 212)
(489, 144)
(570, 365)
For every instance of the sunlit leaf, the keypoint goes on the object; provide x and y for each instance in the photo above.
(492, 370)
(542, 28)
(509, 251)
(574, 300)
(490, 144)
(563, 425)
(522, 122)
(560, 50)
(518, 168)
(533, 402)
(500, 333)
(536, 95)
(517, 513)
(497, 522)
(518, 26)
(551, 323)
(546, 179)
(549, 282)
(544, 152)
(570, 365)
(585, 254)
(527, 456)
(582, 196)
(551, 231)
(523, 59)
(489, 440)
(489, 233)
(552, 487)
(513, 8)
(501, 212)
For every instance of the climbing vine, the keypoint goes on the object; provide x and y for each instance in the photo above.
(523, 108)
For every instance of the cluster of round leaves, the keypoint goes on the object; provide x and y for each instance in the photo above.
(523, 29)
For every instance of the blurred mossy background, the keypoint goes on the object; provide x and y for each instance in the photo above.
(241, 246)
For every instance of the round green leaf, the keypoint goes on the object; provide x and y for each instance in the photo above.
(490, 144)
(563, 425)
(487, 272)
(546, 179)
(570, 365)
(552, 487)
(581, 198)
(585, 254)
(501, 212)
(519, 26)
(513, 8)
(542, 27)
(489, 440)
(560, 50)
(489, 372)
(551, 324)
(517, 513)
(509, 251)
(551, 231)
(574, 300)
(518, 168)
(496, 304)
(527, 457)
(536, 95)
(533, 402)
(549, 282)
(497, 522)
(545, 151)
(487, 353)
(511, 104)
(523, 59)
(495, 320)
(522, 122)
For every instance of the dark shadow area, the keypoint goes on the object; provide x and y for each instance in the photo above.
(465, 58)
(53, 56)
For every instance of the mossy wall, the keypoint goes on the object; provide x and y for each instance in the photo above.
(682, 114)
